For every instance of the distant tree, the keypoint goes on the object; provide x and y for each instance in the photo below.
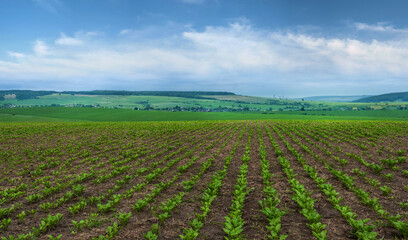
(148, 107)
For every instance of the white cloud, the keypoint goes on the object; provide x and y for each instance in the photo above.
(70, 41)
(237, 57)
(125, 31)
(15, 54)
(83, 34)
(78, 39)
(379, 27)
(40, 48)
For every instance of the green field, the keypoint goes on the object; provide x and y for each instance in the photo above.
(131, 102)
(101, 114)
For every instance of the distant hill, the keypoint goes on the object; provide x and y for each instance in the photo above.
(334, 98)
(389, 97)
(155, 100)
(28, 94)
(195, 101)
(22, 94)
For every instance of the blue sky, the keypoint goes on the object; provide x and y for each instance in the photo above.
(259, 47)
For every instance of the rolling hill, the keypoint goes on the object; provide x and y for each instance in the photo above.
(388, 97)
(179, 101)
(202, 101)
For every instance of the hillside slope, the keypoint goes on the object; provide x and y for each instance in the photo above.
(389, 97)
(154, 100)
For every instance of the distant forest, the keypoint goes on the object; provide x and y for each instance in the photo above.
(29, 94)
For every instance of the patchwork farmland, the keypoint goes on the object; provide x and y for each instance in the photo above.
(204, 180)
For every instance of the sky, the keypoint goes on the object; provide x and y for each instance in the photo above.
(281, 48)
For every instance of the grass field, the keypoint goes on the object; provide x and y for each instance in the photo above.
(204, 180)
(101, 114)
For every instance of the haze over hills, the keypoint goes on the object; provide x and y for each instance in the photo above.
(388, 97)
(334, 98)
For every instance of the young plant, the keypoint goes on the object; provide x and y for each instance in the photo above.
(4, 224)
(21, 216)
(386, 190)
(123, 218)
(388, 176)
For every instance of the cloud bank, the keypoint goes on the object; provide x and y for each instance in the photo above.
(237, 57)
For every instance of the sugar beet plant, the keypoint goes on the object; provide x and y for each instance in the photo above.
(301, 195)
(209, 195)
(361, 228)
(271, 200)
(233, 225)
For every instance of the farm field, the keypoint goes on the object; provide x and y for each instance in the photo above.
(161, 102)
(69, 114)
(248, 179)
